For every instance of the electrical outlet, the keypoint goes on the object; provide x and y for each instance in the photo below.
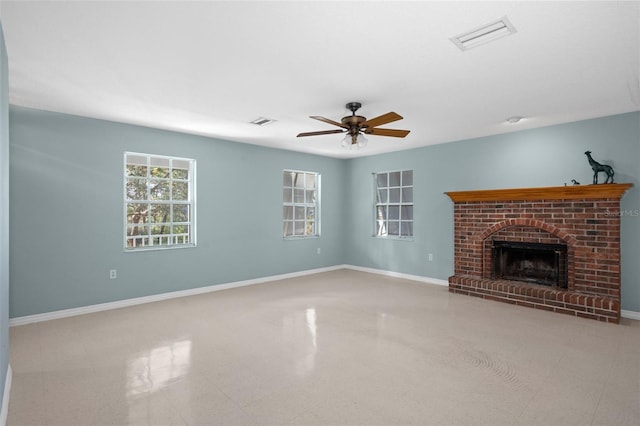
(113, 274)
(318, 250)
(430, 257)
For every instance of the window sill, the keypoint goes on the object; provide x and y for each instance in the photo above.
(392, 237)
(159, 248)
(301, 237)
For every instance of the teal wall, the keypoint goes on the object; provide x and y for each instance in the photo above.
(547, 156)
(66, 205)
(4, 215)
(67, 225)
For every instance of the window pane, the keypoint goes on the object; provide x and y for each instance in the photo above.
(287, 228)
(381, 180)
(407, 178)
(311, 213)
(299, 213)
(406, 213)
(136, 165)
(160, 213)
(133, 170)
(160, 229)
(310, 228)
(381, 228)
(287, 179)
(287, 195)
(136, 189)
(180, 190)
(310, 181)
(381, 213)
(181, 229)
(287, 212)
(298, 180)
(394, 228)
(394, 212)
(394, 195)
(394, 179)
(311, 196)
(406, 229)
(299, 227)
(159, 190)
(137, 213)
(180, 212)
(137, 230)
(180, 169)
(159, 167)
(180, 174)
(298, 195)
(382, 195)
(407, 195)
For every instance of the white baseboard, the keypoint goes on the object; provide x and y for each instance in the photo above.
(4, 412)
(200, 290)
(399, 275)
(46, 316)
(630, 315)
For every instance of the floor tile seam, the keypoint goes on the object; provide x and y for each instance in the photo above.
(597, 405)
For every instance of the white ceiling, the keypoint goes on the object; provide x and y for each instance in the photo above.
(209, 68)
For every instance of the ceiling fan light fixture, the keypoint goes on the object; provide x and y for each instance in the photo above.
(346, 141)
(362, 141)
(484, 34)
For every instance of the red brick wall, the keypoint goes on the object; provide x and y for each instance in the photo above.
(591, 234)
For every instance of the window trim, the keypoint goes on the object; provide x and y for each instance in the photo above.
(191, 201)
(400, 204)
(293, 204)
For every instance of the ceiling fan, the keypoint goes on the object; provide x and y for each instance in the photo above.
(355, 125)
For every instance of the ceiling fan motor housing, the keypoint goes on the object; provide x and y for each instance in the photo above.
(353, 121)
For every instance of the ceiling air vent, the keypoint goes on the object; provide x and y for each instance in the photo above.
(484, 34)
(261, 121)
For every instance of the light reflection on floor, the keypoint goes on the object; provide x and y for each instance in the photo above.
(341, 347)
(160, 366)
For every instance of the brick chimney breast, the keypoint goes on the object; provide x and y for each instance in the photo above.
(584, 218)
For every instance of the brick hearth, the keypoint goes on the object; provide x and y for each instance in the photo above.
(584, 218)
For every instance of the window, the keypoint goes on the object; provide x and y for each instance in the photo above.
(300, 204)
(159, 200)
(394, 204)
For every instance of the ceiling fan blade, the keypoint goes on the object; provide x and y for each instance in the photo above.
(321, 132)
(382, 119)
(326, 120)
(387, 132)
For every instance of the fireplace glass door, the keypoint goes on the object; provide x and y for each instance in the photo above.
(543, 264)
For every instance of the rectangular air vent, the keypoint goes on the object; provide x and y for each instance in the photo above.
(261, 121)
(484, 34)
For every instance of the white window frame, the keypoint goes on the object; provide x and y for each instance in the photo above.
(290, 205)
(382, 200)
(171, 240)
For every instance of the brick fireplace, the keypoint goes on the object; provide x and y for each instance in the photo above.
(581, 222)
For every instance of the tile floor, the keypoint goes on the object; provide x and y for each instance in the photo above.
(341, 347)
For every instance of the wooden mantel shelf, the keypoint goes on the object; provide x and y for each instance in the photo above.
(611, 190)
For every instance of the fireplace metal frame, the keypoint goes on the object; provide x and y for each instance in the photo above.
(560, 262)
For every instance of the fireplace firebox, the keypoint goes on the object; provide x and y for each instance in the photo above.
(535, 263)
